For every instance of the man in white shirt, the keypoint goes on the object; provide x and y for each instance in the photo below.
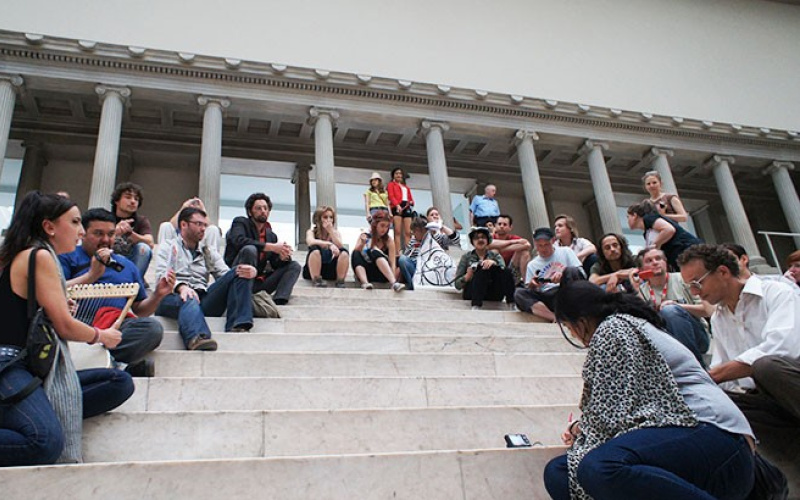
(756, 325)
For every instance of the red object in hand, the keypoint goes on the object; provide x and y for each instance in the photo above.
(645, 274)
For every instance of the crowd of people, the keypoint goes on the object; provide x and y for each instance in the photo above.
(645, 319)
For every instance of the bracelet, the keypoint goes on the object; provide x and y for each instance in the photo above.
(571, 427)
(96, 336)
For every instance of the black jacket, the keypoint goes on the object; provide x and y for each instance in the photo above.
(243, 232)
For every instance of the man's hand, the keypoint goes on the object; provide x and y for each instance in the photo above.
(166, 284)
(730, 370)
(246, 271)
(611, 284)
(123, 227)
(187, 294)
(97, 268)
(556, 277)
(285, 250)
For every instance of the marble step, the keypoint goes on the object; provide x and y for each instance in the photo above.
(440, 475)
(371, 311)
(409, 300)
(153, 436)
(363, 364)
(449, 324)
(335, 393)
(352, 342)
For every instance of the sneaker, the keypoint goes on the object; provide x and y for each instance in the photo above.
(340, 284)
(366, 286)
(144, 368)
(242, 328)
(512, 307)
(398, 287)
(319, 282)
(201, 343)
(476, 308)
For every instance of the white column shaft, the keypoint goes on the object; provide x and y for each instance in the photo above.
(30, 177)
(7, 99)
(105, 157)
(734, 209)
(437, 169)
(532, 184)
(211, 159)
(323, 156)
(606, 204)
(789, 200)
(661, 165)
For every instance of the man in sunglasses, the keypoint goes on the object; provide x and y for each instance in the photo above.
(756, 324)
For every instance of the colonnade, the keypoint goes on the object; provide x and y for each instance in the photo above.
(114, 100)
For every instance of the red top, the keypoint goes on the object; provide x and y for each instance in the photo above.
(396, 194)
(507, 255)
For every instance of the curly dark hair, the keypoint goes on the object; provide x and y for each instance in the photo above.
(253, 198)
(712, 257)
(122, 188)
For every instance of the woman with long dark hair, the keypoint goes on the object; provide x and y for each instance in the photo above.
(661, 232)
(374, 256)
(31, 431)
(653, 425)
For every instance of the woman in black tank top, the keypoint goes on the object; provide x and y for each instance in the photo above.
(49, 223)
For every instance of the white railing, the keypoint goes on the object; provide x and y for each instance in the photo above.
(767, 235)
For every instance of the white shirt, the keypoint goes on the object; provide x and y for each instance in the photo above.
(562, 258)
(766, 322)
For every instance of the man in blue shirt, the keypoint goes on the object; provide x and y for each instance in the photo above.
(87, 264)
(484, 208)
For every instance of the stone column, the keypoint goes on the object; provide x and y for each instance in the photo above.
(105, 156)
(211, 154)
(323, 120)
(437, 168)
(737, 217)
(606, 204)
(779, 170)
(302, 200)
(531, 181)
(30, 178)
(8, 96)
(661, 165)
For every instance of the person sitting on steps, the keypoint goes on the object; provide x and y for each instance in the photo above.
(327, 257)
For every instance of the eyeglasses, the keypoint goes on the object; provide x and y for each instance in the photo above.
(696, 284)
(199, 223)
(569, 337)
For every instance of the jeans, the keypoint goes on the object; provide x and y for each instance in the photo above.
(30, 432)
(140, 337)
(140, 255)
(280, 281)
(493, 284)
(408, 267)
(702, 462)
(229, 292)
(686, 329)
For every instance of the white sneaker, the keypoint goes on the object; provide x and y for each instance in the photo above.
(366, 286)
(398, 287)
(477, 308)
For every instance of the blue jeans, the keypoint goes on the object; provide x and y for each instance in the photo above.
(686, 329)
(140, 255)
(408, 267)
(30, 432)
(229, 293)
(666, 463)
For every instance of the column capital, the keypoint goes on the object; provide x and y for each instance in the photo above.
(656, 151)
(777, 165)
(716, 160)
(522, 135)
(316, 111)
(206, 100)
(426, 126)
(589, 145)
(15, 80)
(300, 168)
(106, 90)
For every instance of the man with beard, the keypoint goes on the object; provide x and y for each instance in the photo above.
(88, 264)
(251, 241)
(666, 293)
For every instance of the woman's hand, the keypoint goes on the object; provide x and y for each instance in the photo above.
(110, 337)
(487, 263)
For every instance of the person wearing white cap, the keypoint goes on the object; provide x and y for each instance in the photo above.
(376, 197)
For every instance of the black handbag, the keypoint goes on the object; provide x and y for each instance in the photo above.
(770, 483)
(41, 344)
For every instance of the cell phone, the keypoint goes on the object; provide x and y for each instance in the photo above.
(645, 274)
(517, 441)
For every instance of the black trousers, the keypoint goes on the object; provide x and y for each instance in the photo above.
(494, 284)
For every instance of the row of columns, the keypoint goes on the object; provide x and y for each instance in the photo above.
(114, 100)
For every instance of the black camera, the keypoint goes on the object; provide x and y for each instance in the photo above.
(113, 264)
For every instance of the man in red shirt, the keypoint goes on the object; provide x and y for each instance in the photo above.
(515, 250)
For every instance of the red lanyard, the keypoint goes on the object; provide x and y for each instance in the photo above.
(653, 294)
